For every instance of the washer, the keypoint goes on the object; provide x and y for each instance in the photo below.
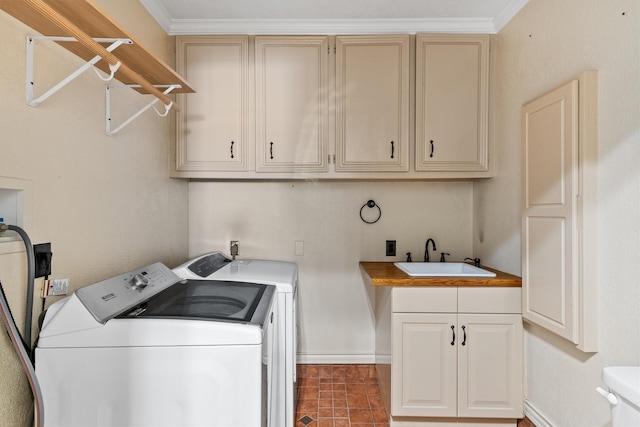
(148, 348)
(282, 275)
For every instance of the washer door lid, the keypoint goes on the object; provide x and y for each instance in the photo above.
(208, 300)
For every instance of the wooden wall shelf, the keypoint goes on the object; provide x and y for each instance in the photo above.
(85, 22)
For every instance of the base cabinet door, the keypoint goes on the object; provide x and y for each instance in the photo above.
(423, 366)
(457, 365)
(490, 366)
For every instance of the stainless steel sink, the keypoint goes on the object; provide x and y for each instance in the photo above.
(428, 269)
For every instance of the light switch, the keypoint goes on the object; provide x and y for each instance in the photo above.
(298, 248)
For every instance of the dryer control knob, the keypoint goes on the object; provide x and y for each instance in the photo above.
(139, 282)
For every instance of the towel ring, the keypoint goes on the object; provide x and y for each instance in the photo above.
(371, 204)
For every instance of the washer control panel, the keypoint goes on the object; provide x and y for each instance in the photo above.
(114, 296)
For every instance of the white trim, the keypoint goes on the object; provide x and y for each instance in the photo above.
(159, 13)
(488, 25)
(535, 416)
(506, 14)
(336, 359)
(330, 26)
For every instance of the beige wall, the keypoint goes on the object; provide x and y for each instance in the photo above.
(335, 311)
(105, 203)
(546, 44)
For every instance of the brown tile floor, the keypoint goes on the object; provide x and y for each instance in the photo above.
(339, 396)
(343, 396)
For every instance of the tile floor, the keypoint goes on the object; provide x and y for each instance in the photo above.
(339, 396)
(343, 396)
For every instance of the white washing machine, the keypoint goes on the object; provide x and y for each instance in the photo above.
(282, 275)
(150, 349)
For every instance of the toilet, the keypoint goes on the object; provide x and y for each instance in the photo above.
(623, 395)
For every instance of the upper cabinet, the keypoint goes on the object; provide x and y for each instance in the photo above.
(212, 130)
(452, 103)
(334, 107)
(291, 104)
(372, 103)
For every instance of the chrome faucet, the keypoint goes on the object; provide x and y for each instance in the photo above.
(426, 249)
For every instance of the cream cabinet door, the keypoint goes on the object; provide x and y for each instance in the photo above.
(372, 103)
(452, 102)
(423, 366)
(291, 103)
(212, 129)
(559, 160)
(490, 366)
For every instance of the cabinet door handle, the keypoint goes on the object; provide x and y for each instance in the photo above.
(464, 335)
(271, 150)
(392, 149)
(453, 332)
(431, 155)
(232, 149)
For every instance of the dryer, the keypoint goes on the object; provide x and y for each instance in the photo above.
(147, 348)
(282, 275)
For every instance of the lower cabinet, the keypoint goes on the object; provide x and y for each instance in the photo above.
(456, 355)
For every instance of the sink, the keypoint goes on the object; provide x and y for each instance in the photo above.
(427, 269)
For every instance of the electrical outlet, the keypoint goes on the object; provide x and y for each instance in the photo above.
(56, 287)
(391, 248)
(43, 255)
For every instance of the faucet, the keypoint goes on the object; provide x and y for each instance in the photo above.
(476, 261)
(426, 249)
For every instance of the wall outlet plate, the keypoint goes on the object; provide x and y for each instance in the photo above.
(391, 248)
(42, 253)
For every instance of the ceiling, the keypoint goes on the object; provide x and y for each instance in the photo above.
(331, 16)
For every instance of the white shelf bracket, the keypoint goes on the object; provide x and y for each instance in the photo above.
(30, 83)
(109, 132)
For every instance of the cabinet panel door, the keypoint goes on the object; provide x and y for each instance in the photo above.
(423, 367)
(490, 366)
(550, 188)
(559, 207)
(291, 104)
(212, 130)
(452, 100)
(372, 99)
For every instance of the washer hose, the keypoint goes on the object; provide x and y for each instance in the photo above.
(23, 353)
(31, 272)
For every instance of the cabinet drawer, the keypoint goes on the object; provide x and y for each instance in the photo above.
(424, 300)
(489, 300)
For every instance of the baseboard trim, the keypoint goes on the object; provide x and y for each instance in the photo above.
(336, 359)
(535, 416)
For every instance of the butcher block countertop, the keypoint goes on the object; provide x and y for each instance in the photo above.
(387, 274)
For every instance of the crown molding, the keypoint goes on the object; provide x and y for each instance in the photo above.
(332, 26)
(506, 14)
(329, 26)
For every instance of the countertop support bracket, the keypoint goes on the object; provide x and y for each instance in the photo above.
(109, 132)
(30, 81)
